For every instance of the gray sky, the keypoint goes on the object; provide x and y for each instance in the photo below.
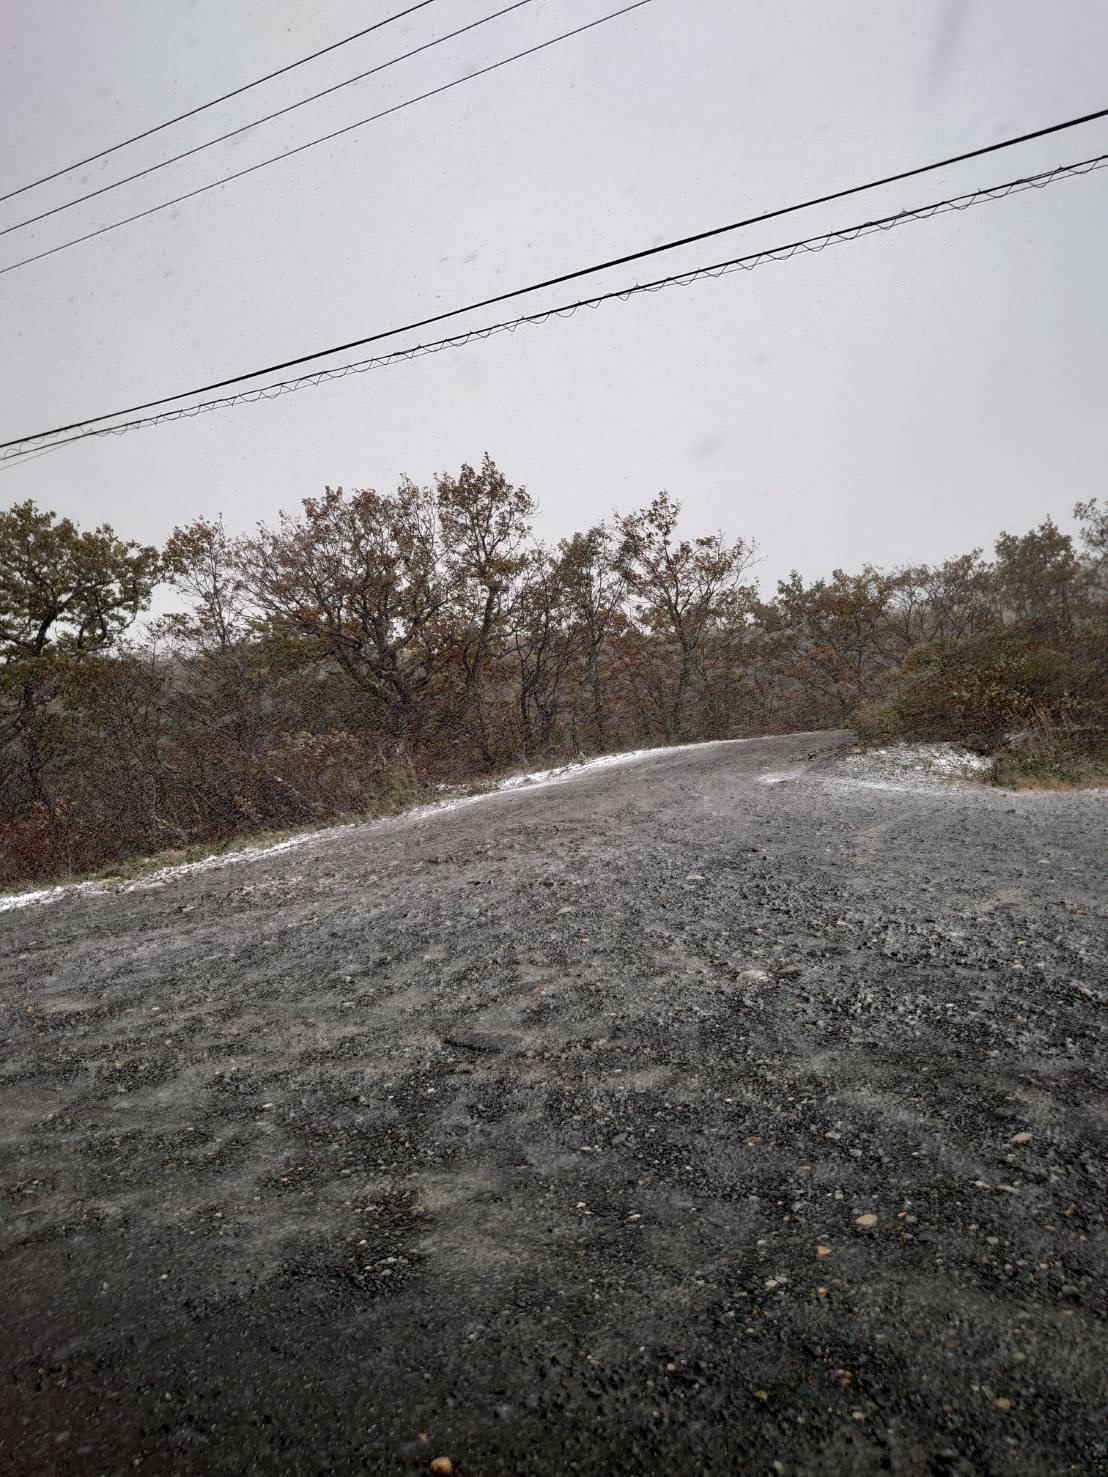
(902, 397)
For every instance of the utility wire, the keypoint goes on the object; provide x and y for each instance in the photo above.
(326, 138)
(28, 447)
(266, 118)
(618, 261)
(235, 92)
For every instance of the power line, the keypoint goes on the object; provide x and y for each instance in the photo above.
(257, 122)
(618, 261)
(225, 97)
(813, 244)
(326, 138)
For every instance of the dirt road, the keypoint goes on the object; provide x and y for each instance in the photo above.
(712, 1113)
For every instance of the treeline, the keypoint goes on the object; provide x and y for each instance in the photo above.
(371, 646)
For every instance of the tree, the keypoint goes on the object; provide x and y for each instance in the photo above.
(1094, 547)
(943, 602)
(221, 681)
(202, 563)
(1039, 576)
(355, 579)
(484, 525)
(66, 591)
(681, 590)
(839, 633)
(543, 640)
(594, 588)
(64, 595)
(403, 593)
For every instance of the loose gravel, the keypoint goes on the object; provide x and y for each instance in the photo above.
(666, 1120)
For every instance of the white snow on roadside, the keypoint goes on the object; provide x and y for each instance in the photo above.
(915, 767)
(45, 894)
(534, 780)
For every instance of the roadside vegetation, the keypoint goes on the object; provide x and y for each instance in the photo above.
(360, 652)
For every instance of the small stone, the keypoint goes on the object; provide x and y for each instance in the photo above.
(752, 977)
(1002, 1402)
(859, 1415)
(866, 1222)
(442, 1466)
(761, 1395)
(696, 877)
(823, 1251)
(1020, 1138)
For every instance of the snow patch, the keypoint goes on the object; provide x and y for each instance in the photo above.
(45, 894)
(916, 767)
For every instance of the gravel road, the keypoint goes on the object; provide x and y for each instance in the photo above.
(710, 1113)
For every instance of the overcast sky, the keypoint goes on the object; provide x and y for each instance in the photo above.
(902, 397)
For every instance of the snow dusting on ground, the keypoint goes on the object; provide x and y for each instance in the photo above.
(916, 767)
(533, 780)
(899, 767)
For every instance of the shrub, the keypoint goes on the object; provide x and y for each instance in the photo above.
(1053, 753)
(980, 690)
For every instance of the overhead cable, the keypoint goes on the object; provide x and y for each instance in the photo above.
(225, 97)
(575, 275)
(28, 447)
(266, 118)
(326, 138)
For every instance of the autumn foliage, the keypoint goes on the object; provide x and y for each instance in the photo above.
(371, 646)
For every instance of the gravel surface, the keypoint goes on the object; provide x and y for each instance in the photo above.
(710, 1113)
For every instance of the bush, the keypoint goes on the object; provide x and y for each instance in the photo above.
(983, 689)
(1053, 753)
(205, 793)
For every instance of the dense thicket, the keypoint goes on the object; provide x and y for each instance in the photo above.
(373, 645)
